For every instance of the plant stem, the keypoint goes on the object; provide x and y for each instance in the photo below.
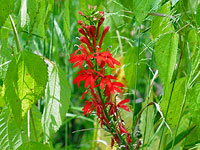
(33, 124)
(19, 47)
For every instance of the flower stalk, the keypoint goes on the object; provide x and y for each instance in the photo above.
(92, 61)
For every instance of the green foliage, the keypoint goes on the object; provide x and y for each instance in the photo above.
(57, 101)
(194, 103)
(133, 65)
(198, 15)
(161, 25)
(5, 9)
(171, 104)
(10, 137)
(165, 55)
(140, 30)
(34, 145)
(141, 9)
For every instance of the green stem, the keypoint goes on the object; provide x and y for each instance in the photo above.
(19, 47)
(95, 134)
(33, 124)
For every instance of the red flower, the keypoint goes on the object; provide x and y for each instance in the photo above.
(106, 80)
(92, 30)
(122, 129)
(120, 104)
(105, 57)
(105, 30)
(99, 24)
(87, 109)
(87, 75)
(129, 140)
(80, 58)
(113, 88)
(87, 42)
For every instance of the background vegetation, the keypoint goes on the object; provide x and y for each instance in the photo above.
(157, 43)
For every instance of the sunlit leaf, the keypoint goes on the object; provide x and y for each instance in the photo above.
(165, 55)
(175, 102)
(56, 101)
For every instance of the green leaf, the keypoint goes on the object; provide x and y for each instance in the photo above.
(36, 11)
(6, 8)
(11, 94)
(175, 103)
(32, 79)
(198, 15)
(165, 55)
(57, 101)
(131, 66)
(180, 137)
(194, 103)
(161, 25)
(192, 41)
(141, 9)
(25, 83)
(34, 146)
(10, 137)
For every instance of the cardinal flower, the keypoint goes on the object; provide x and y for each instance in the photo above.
(105, 57)
(87, 75)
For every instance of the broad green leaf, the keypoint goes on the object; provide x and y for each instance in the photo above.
(11, 91)
(141, 9)
(10, 137)
(6, 8)
(32, 79)
(194, 103)
(25, 83)
(161, 25)
(165, 55)
(56, 101)
(198, 15)
(131, 67)
(175, 103)
(36, 12)
(34, 146)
